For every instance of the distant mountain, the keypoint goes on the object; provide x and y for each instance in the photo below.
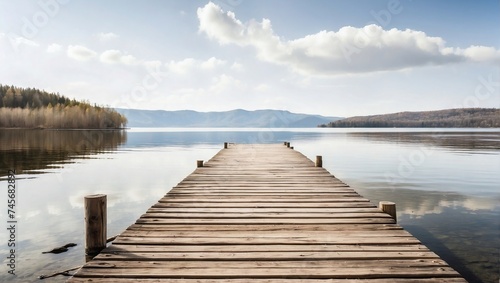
(228, 119)
(449, 118)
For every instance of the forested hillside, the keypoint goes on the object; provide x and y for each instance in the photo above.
(34, 108)
(451, 118)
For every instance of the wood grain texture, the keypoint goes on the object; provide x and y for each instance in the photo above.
(95, 223)
(265, 214)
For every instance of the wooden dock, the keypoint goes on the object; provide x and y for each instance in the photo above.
(265, 213)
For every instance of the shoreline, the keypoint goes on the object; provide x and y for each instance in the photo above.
(68, 129)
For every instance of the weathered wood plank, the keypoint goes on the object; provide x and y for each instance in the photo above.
(264, 210)
(257, 197)
(143, 239)
(270, 234)
(131, 248)
(255, 280)
(208, 193)
(253, 215)
(260, 221)
(166, 203)
(257, 185)
(263, 200)
(317, 265)
(282, 227)
(263, 256)
(256, 190)
(294, 272)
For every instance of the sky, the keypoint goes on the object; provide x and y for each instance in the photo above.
(328, 57)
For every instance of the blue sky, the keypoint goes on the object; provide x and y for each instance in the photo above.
(337, 58)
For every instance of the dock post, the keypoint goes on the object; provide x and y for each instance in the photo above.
(225, 145)
(287, 144)
(284, 143)
(199, 163)
(95, 224)
(388, 207)
(319, 161)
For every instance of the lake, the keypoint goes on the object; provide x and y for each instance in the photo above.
(445, 182)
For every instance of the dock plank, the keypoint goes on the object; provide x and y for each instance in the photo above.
(257, 280)
(265, 214)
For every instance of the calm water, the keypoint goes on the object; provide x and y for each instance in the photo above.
(446, 184)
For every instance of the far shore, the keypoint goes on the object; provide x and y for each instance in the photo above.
(66, 129)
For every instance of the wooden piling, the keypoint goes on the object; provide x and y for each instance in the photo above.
(199, 163)
(319, 161)
(95, 224)
(225, 145)
(389, 208)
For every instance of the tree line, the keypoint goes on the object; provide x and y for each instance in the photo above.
(451, 118)
(34, 108)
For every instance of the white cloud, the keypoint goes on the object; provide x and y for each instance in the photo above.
(110, 56)
(80, 53)
(30, 214)
(54, 210)
(117, 56)
(212, 63)
(181, 67)
(16, 41)
(54, 48)
(237, 67)
(262, 87)
(104, 36)
(481, 53)
(190, 64)
(349, 50)
(129, 60)
(221, 26)
(225, 82)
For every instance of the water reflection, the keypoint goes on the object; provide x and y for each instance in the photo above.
(467, 239)
(35, 150)
(475, 142)
(445, 187)
(418, 203)
(463, 230)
